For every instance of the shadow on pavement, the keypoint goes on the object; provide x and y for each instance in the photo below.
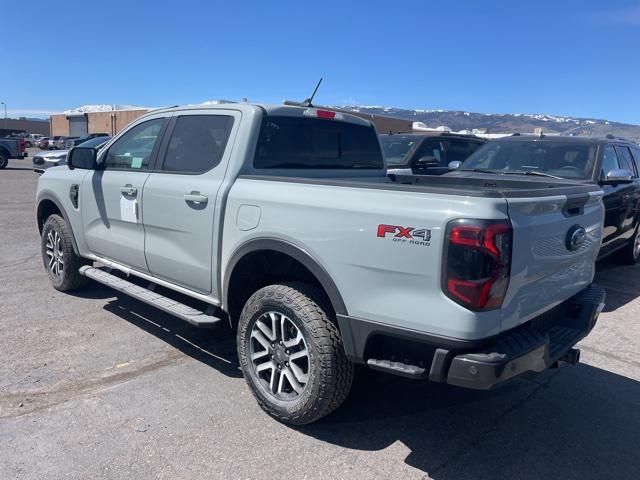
(621, 281)
(576, 422)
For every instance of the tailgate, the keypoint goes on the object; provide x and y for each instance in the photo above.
(546, 267)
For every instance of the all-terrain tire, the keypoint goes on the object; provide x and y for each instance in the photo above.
(330, 373)
(630, 253)
(57, 244)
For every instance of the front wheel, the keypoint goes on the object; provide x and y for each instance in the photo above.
(4, 160)
(59, 258)
(630, 254)
(291, 354)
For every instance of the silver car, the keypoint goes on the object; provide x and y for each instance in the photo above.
(46, 159)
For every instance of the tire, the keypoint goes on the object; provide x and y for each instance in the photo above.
(4, 160)
(630, 253)
(60, 260)
(323, 376)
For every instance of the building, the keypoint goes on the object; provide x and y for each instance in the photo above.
(12, 126)
(94, 119)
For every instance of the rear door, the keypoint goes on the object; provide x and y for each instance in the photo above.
(180, 198)
(111, 196)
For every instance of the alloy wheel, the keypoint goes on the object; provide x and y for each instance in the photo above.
(279, 355)
(55, 253)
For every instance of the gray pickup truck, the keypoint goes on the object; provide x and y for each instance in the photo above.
(281, 221)
(11, 148)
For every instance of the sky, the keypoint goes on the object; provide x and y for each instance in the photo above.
(578, 58)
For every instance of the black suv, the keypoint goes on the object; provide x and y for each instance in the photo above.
(613, 163)
(427, 153)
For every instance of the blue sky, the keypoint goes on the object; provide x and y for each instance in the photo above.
(568, 57)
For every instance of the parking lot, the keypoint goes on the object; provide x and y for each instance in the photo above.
(96, 385)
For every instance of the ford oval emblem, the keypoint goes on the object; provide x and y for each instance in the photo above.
(576, 236)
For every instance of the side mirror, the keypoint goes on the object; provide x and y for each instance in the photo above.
(455, 165)
(82, 157)
(621, 175)
(428, 161)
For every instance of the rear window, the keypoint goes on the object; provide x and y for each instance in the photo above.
(313, 143)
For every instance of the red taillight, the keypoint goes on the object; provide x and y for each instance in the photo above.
(477, 262)
(23, 145)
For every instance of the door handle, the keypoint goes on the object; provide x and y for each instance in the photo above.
(128, 189)
(195, 197)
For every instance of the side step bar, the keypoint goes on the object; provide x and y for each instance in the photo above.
(397, 368)
(166, 304)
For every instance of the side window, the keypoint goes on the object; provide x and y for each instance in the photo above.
(133, 150)
(624, 154)
(197, 143)
(609, 161)
(433, 148)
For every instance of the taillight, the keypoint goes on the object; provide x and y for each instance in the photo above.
(23, 145)
(477, 262)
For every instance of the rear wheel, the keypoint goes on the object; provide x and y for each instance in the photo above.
(59, 259)
(630, 254)
(4, 160)
(291, 354)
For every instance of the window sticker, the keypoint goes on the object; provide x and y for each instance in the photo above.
(136, 162)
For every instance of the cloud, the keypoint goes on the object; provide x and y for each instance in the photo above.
(629, 16)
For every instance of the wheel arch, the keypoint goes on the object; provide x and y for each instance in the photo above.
(290, 250)
(49, 205)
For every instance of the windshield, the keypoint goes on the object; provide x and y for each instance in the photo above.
(396, 147)
(570, 160)
(95, 142)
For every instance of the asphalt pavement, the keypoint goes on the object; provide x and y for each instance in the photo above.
(96, 385)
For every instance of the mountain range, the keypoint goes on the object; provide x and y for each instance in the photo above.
(506, 122)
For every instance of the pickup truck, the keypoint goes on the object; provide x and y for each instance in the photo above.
(11, 148)
(282, 222)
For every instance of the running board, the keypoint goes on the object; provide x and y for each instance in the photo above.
(166, 304)
(397, 368)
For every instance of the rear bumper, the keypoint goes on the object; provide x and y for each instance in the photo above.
(533, 347)
(482, 364)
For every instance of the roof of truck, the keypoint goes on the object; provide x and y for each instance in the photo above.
(269, 109)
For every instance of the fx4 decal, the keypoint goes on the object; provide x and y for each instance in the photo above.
(411, 235)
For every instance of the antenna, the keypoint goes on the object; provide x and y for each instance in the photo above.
(307, 102)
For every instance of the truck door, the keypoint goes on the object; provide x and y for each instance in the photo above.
(111, 196)
(180, 198)
(615, 209)
(630, 191)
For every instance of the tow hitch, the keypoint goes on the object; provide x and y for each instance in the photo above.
(572, 356)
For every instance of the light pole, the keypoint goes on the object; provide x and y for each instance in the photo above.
(5, 113)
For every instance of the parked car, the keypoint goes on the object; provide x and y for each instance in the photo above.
(426, 153)
(57, 142)
(75, 141)
(611, 163)
(11, 148)
(47, 159)
(43, 143)
(32, 139)
(282, 222)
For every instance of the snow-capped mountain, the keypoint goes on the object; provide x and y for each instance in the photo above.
(505, 122)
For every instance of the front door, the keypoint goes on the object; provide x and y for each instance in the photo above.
(111, 196)
(179, 205)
